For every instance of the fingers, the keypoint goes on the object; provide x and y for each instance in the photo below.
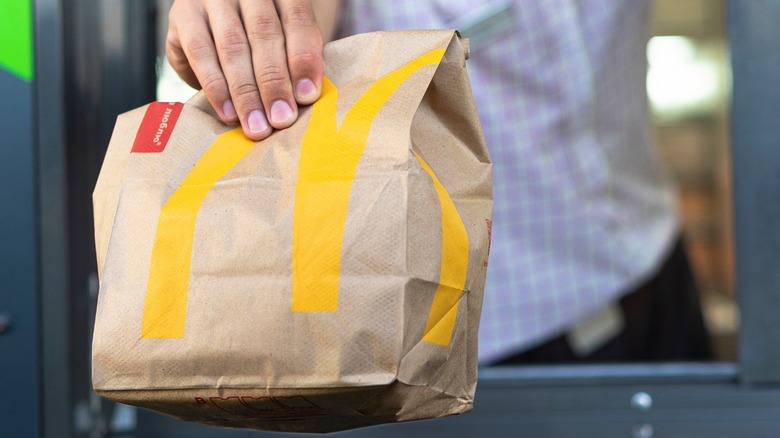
(269, 61)
(304, 48)
(256, 60)
(235, 57)
(191, 51)
(287, 55)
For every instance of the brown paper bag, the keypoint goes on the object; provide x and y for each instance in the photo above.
(326, 278)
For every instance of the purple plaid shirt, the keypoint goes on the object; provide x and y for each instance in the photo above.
(583, 210)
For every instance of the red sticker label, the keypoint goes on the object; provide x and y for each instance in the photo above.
(157, 126)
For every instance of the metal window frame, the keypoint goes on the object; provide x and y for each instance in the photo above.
(685, 399)
(86, 74)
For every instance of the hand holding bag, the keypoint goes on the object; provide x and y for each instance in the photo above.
(326, 278)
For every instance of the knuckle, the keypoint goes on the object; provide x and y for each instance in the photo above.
(233, 42)
(300, 15)
(272, 77)
(199, 49)
(243, 91)
(213, 83)
(303, 59)
(171, 39)
(264, 27)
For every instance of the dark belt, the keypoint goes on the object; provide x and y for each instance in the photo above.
(662, 322)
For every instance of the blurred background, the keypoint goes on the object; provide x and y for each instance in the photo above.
(689, 86)
(85, 61)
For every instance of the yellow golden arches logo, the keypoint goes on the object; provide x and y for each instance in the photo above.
(454, 267)
(165, 306)
(328, 162)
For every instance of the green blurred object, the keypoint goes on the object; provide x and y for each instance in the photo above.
(16, 38)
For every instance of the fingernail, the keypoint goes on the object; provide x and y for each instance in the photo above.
(257, 121)
(305, 90)
(281, 111)
(228, 110)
